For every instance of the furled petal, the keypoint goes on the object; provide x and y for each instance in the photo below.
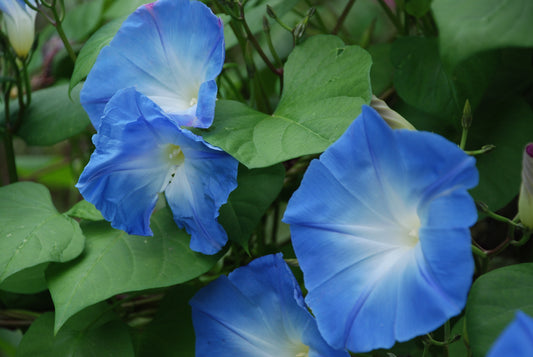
(20, 25)
(258, 310)
(171, 51)
(135, 159)
(525, 199)
(380, 229)
(516, 340)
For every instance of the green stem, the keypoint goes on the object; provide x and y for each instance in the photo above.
(273, 52)
(257, 46)
(63, 37)
(10, 156)
(392, 16)
(341, 18)
(447, 332)
(27, 83)
(525, 238)
(496, 216)
(464, 135)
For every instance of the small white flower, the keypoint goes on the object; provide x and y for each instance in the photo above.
(19, 21)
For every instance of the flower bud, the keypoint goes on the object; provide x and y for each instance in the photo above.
(395, 120)
(19, 21)
(525, 200)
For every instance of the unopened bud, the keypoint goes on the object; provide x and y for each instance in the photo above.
(271, 13)
(466, 120)
(395, 120)
(19, 19)
(525, 200)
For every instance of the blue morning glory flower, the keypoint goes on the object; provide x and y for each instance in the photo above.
(258, 310)
(169, 50)
(20, 25)
(380, 227)
(516, 340)
(141, 152)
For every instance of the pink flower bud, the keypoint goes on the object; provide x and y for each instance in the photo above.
(525, 201)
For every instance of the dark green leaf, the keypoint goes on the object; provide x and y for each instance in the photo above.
(32, 231)
(9, 341)
(246, 205)
(493, 301)
(85, 210)
(115, 262)
(468, 27)
(417, 8)
(421, 80)
(507, 125)
(326, 84)
(95, 331)
(53, 117)
(382, 71)
(91, 49)
(171, 332)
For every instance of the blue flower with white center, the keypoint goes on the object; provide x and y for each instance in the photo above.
(380, 227)
(258, 310)
(19, 19)
(171, 51)
(516, 340)
(141, 152)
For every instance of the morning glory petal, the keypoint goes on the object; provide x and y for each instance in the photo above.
(258, 310)
(516, 340)
(169, 50)
(139, 153)
(204, 182)
(386, 214)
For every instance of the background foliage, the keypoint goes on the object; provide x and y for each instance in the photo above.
(72, 285)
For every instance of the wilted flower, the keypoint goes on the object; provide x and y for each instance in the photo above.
(525, 200)
(20, 25)
(141, 152)
(380, 227)
(516, 340)
(258, 310)
(169, 50)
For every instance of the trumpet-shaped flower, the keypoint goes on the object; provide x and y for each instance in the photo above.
(525, 200)
(169, 50)
(516, 340)
(20, 25)
(258, 310)
(141, 152)
(380, 227)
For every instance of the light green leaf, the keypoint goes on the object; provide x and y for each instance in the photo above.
(326, 84)
(53, 117)
(81, 20)
(95, 331)
(493, 301)
(246, 205)
(468, 27)
(32, 231)
(115, 262)
(85, 210)
(91, 49)
(120, 8)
